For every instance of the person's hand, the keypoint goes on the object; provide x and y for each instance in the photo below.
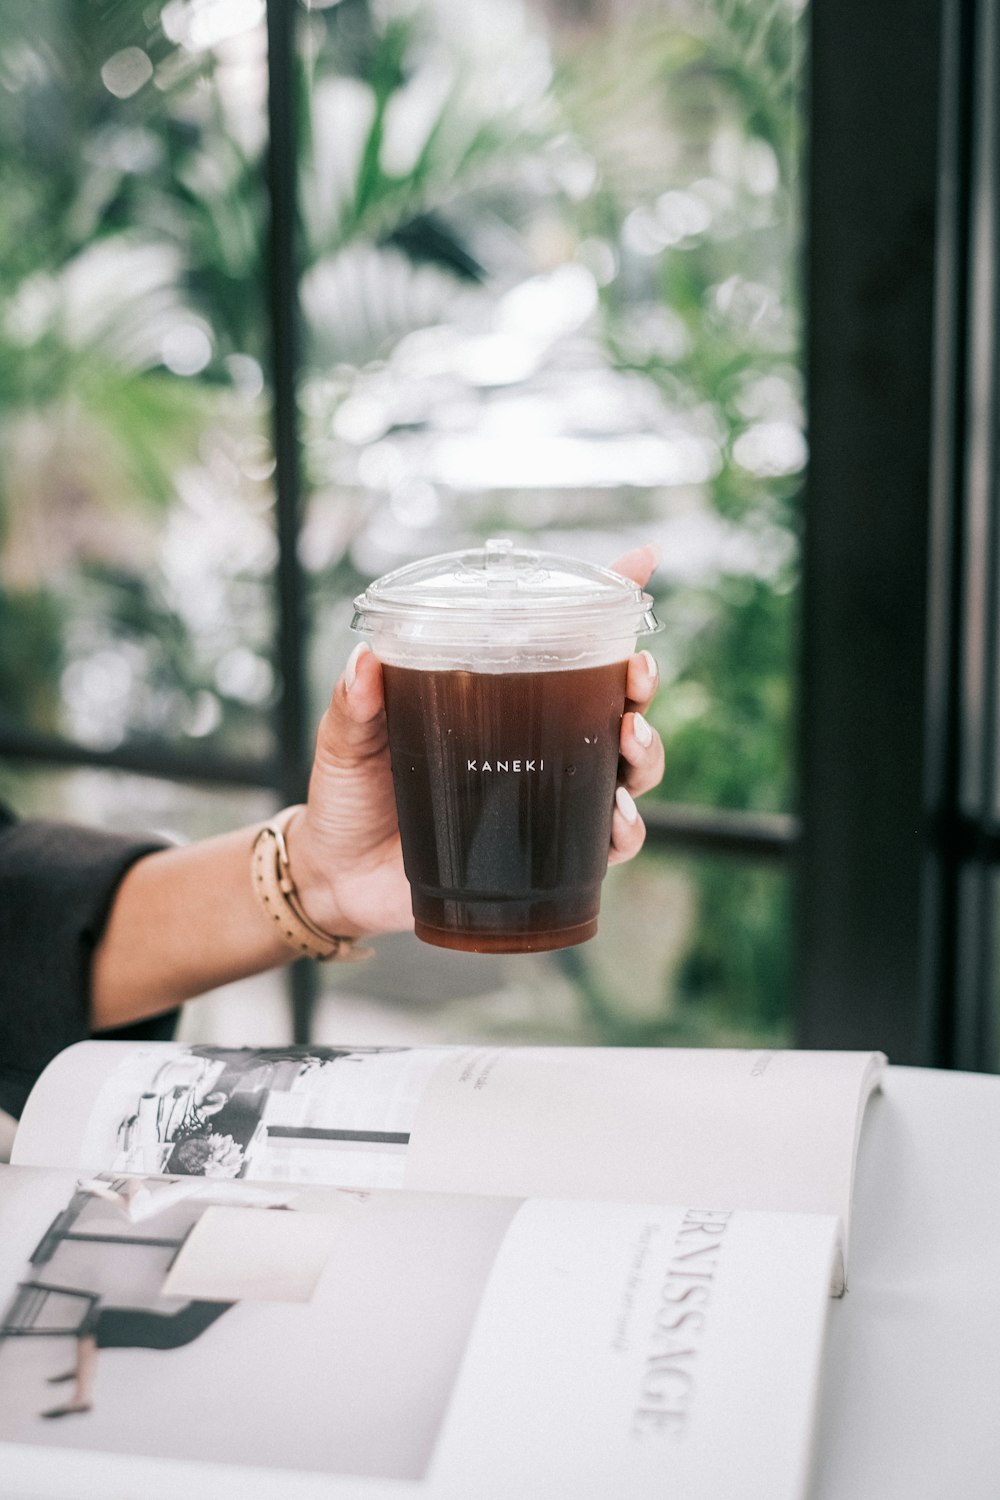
(641, 765)
(344, 848)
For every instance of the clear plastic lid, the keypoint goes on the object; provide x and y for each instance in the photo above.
(501, 593)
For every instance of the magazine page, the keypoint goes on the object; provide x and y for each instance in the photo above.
(233, 1338)
(731, 1128)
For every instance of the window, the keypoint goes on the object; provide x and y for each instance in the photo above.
(297, 292)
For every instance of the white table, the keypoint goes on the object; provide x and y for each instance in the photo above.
(910, 1404)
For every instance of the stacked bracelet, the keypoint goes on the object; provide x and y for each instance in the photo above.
(274, 888)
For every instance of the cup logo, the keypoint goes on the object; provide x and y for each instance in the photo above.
(504, 765)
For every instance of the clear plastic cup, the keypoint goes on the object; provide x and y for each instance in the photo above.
(504, 676)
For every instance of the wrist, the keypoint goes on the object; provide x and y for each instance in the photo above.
(280, 899)
(309, 869)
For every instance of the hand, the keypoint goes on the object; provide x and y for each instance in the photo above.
(641, 765)
(346, 853)
(344, 848)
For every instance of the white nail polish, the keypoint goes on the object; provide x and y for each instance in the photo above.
(351, 669)
(642, 731)
(626, 806)
(651, 666)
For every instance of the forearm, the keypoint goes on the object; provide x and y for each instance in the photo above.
(183, 921)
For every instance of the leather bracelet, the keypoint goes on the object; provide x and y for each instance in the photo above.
(271, 875)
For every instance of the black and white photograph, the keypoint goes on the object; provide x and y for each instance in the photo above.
(292, 1114)
(312, 1329)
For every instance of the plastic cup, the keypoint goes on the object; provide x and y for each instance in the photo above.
(504, 676)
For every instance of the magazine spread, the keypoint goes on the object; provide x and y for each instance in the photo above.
(218, 1334)
(734, 1129)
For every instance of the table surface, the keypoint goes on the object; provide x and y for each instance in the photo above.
(910, 1401)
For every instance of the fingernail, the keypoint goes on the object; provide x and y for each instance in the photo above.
(657, 552)
(642, 731)
(626, 806)
(351, 670)
(651, 666)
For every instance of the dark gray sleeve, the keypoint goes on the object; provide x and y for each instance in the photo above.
(57, 883)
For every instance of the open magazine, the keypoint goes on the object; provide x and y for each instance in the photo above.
(436, 1272)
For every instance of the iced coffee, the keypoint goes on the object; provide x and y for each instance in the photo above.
(504, 677)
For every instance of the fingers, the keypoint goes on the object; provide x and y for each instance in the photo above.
(642, 760)
(641, 755)
(628, 831)
(362, 685)
(642, 680)
(641, 746)
(353, 727)
(639, 563)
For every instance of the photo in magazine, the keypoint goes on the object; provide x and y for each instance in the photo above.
(313, 1329)
(296, 1114)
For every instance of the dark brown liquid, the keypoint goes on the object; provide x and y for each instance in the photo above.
(505, 790)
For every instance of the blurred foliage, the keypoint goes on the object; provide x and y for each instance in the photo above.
(729, 748)
(131, 220)
(717, 979)
(31, 655)
(452, 155)
(732, 349)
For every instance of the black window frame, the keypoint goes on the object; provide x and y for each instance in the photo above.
(898, 760)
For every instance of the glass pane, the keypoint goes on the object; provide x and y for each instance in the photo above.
(692, 951)
(125, 803)
(550, 290)
(136, 541)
